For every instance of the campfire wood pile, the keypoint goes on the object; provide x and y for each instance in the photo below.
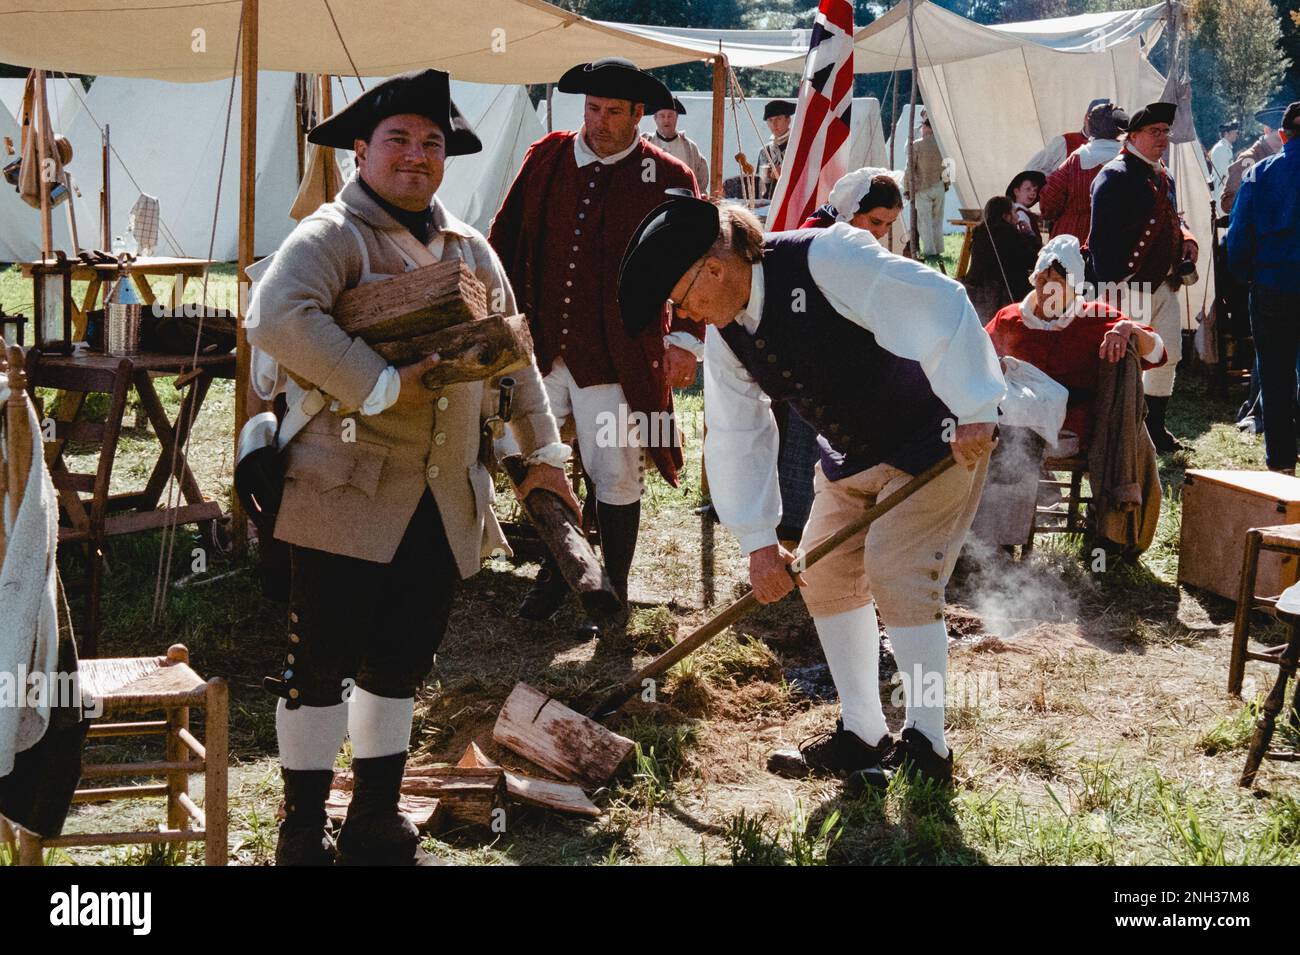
(474, 791)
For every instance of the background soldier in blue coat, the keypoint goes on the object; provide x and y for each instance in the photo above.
(1264, 250)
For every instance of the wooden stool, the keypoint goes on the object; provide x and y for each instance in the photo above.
(1286, 668)
(1282, 539)
(1046, 519)
(142, 685)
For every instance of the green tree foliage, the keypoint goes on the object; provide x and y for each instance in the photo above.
(1236, 62)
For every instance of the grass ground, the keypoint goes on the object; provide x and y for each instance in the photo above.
(1087, 710)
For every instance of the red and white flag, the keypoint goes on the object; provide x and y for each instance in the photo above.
(818, 152)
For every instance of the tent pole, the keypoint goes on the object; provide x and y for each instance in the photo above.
(105, 213)
(41, 120)
(719, 104)
(302, 101)
(247, 180)
(911, 125)
(550, 106)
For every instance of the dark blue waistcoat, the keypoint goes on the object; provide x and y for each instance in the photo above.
(866, 404)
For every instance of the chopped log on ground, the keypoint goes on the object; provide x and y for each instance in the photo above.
(475, 758)
(547, 793)
(412, 303)
(425, 812)
(473, 351)
(562, 797)
(465, 795)
(560, 530)
(558, 739)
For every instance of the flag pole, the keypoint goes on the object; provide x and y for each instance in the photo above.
(911, 126)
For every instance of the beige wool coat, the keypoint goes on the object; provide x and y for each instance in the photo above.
(356, 497)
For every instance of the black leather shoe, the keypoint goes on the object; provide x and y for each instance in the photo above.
(914, 754)
(829, 754)
(546, 596)
(303, 839)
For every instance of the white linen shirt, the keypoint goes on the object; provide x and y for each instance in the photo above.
(913, 312)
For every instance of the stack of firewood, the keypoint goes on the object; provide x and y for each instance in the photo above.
(440, 308)
(476, 791)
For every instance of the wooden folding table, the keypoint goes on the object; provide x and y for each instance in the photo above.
(89, 520)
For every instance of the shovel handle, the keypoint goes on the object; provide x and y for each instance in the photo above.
(738, 608)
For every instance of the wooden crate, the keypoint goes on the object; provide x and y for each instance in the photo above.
(1219, 507)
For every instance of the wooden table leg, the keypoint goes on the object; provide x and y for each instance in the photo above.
(99, 502)
(172, 435)
(1272, 707)
(142, 285)
(1245, 603)
(963, 260)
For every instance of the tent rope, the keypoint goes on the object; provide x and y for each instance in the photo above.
(162, 578)
(344, 44)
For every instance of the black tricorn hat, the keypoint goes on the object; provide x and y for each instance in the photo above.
(677, 105)
(1151, 114)
(778, 107)
(617, 78)
(423, 92)
(665, 245)
(1033, 175)
(1229, 127)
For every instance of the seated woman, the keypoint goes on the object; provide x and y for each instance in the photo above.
(868, 198)
(1001, 256)
(1064, 336)
(1023, 192)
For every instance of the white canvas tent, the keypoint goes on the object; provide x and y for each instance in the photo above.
(167, 139)
(168, 142)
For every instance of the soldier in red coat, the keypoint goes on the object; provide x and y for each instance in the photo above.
(560, 233)
(1141, 249)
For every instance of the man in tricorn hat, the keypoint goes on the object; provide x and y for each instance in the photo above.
(1140, 248)
(560, 232)
(778, 114)
(385, 506)
(676, 143)
(1221, 153)
(810, 317)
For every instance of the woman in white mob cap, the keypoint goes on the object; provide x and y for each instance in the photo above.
(868, 198)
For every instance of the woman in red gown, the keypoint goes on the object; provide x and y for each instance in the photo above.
(1063, 336)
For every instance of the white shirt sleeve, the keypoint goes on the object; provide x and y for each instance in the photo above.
(740, 447)
(684, 339)
(382, 396)
(914, 312)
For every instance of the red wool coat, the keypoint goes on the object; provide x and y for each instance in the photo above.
(1066, 199)
(561, 234)
(1069, 356)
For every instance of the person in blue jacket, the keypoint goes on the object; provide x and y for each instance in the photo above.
(1264, 251)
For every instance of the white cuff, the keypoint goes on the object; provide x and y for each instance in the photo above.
(382, 396)
(1158, 352)
(553, 454)
(684, 339)
(757, 541)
